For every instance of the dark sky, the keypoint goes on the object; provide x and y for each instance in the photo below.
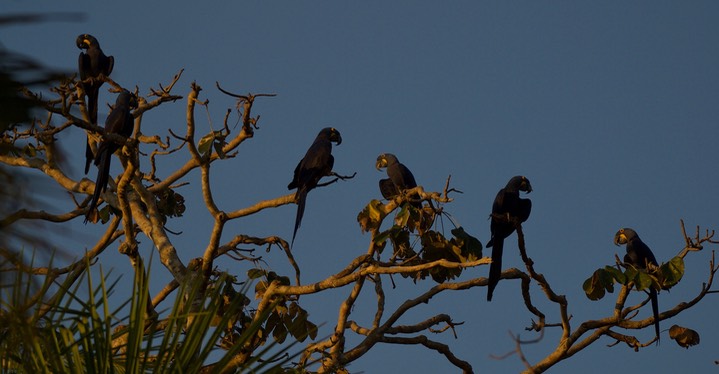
(609, 108)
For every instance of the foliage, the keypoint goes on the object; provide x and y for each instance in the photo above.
(78, 331)
(663, 277)
(684, 336)
(411, 224)
(65, 321)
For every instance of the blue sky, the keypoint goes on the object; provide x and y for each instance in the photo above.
(609, 109)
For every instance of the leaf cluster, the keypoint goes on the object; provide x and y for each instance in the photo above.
(663, 277)
(170, 203)
(287, 316)
(411, 226)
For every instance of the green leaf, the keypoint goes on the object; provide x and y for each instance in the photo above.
(297, 324)
(426, 217)
(283, 280)
(400, 243)
(205, 144)
(601, 282)
(219, 143)
(104, 213)
(671, 272)
(402, 217)
(414, 221)
(279, 333)
(593, 287)
(380, 238)
(435, 247)
(311, 330)
(255, 273)
(297, 328)
(617, 274)
(631, 273)
(643, 281)
(471, 246)
(295, 310)
(272, 322)
(371, 217)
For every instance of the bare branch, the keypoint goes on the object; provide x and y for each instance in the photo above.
(436, 346)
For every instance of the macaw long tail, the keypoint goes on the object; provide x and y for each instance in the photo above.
(301, 198)
(89, 156)
(655, 311)
(495, 268)
(92, 97)
(103, 173)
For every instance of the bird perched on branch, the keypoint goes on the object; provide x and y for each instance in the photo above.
(508, 210)
(92, 64)
(400, 178)
(640, 256)
(317, 163)
(120, 121)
